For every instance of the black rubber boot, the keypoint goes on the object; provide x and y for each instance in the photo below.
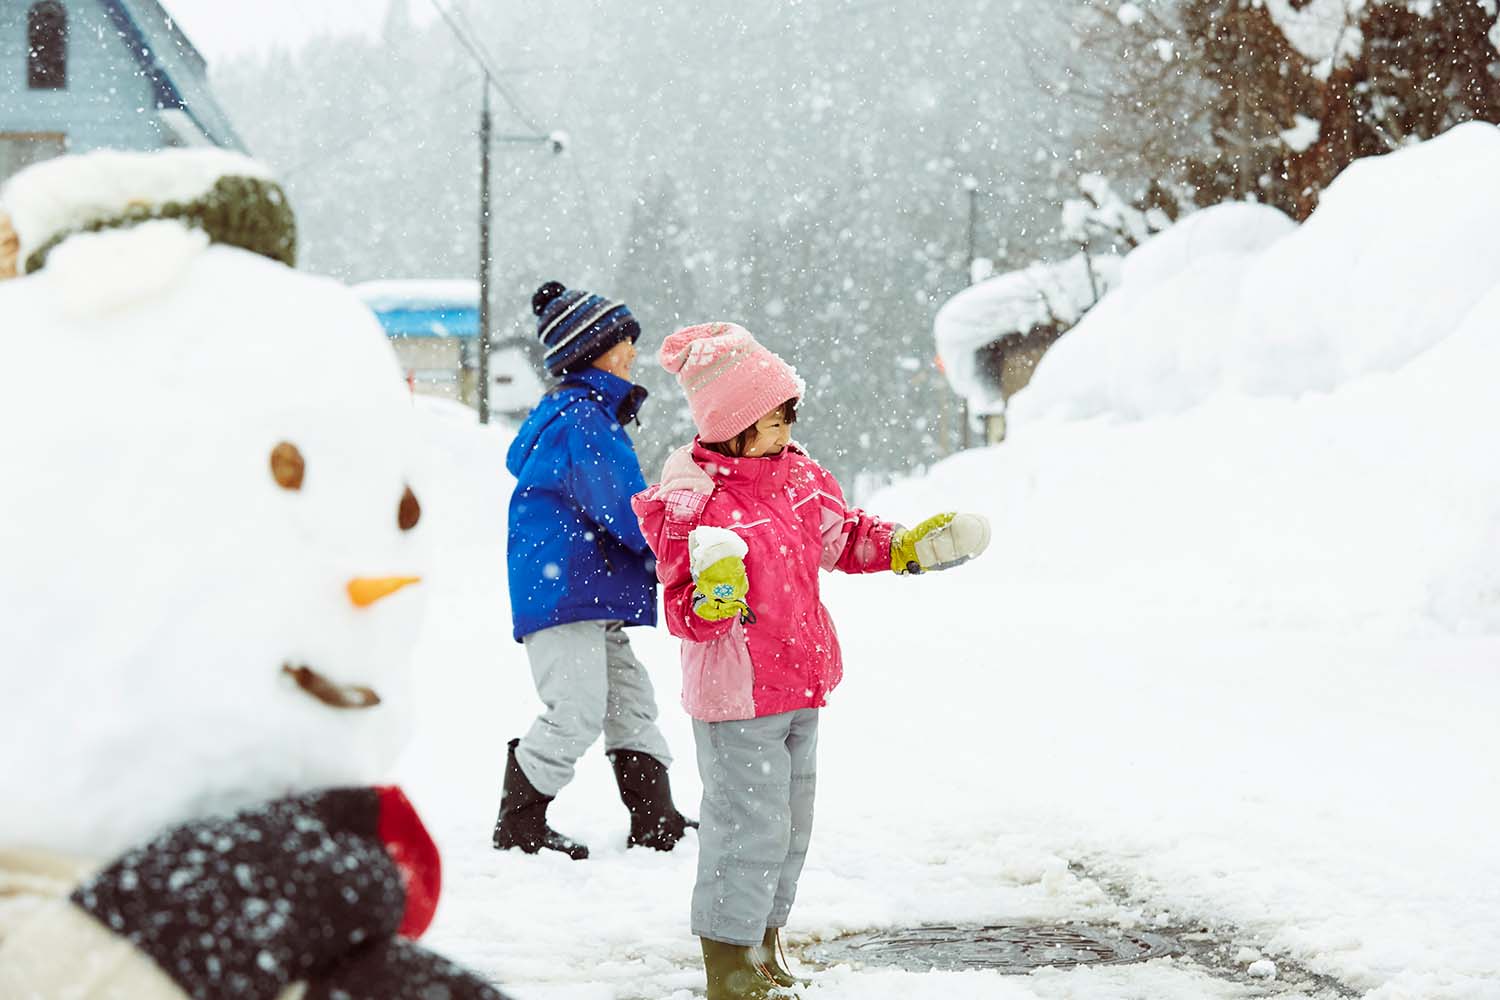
(647, 793)
(523, 816)
(735, 972)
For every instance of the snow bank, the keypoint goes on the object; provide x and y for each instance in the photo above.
(1014, 303)
(1371, 508)
(1222, 488)
(1235, 299)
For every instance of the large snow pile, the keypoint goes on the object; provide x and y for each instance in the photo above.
(1295, 421)
(1237, 299)
(1014, 303)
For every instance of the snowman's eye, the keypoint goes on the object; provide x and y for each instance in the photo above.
(410, 512)
(287, 466)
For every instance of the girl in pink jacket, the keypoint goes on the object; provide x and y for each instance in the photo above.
(741, 525)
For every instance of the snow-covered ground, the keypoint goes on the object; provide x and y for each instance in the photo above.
(1231, 660)
(1331, 793)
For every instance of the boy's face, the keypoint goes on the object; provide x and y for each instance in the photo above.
(618, 360)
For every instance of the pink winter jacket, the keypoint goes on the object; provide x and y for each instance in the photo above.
(791, 514)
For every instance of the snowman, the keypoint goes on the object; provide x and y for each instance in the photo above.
(211, 555)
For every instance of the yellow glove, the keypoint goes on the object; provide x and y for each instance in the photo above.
(719, 592)
(717, 561)
(940, 542)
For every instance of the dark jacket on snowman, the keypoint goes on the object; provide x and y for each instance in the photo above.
(312, 897)
(576, 552)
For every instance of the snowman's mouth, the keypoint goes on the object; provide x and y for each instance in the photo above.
(329, 693)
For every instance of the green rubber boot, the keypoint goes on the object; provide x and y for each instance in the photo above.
(736, 973)
(774, 959)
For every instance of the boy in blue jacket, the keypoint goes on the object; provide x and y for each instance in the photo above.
(580, 571)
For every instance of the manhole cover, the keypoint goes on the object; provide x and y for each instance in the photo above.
(1017, 948)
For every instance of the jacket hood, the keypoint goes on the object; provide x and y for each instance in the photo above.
(615, 394)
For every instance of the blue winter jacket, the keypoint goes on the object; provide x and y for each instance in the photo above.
(576, 550)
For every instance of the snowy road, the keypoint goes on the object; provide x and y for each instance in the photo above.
(1323, 799)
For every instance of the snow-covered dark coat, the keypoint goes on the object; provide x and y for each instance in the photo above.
(576, 552)
(308, 897)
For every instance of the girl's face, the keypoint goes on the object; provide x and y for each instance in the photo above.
(772, 433)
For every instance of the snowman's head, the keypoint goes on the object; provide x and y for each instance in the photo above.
(212, 534)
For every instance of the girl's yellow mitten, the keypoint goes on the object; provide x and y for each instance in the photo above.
(716, 557)
(720, 590)
(940, 542)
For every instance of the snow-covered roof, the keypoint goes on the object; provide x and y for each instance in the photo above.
(174, 66)
(419, 293)
(424, 307)
(1015, 302)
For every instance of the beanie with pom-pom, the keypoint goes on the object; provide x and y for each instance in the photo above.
(229, 197)
(730, 380)
(578, 327)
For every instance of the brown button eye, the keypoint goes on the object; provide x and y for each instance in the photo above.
(410, 512)
(287, 466)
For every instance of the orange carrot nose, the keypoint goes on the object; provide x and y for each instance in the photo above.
(366, 590)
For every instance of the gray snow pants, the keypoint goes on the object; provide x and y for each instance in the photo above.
(759, 776)
(590, 682)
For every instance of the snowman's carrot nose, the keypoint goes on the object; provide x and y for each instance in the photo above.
(366, 590)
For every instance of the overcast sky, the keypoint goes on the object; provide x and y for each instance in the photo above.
(223, 28)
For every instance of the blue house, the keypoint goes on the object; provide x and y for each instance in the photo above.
(77, 75)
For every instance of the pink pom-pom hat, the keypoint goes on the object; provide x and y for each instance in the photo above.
(730, 380)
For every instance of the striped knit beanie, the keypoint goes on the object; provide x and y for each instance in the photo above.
(576, 327)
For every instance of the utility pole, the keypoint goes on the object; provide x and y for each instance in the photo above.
(485, 124)
(971, 184)
(557, 140)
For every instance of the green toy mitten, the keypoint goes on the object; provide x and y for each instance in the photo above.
(716, 557)
(940, 542)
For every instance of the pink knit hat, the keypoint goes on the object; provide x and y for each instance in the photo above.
(730, 380)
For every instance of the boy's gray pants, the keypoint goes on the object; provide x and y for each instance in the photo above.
(590, 682)
(759, 776)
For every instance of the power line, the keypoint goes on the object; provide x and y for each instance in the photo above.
(482, 57)
(344, 145)
(500, 85)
